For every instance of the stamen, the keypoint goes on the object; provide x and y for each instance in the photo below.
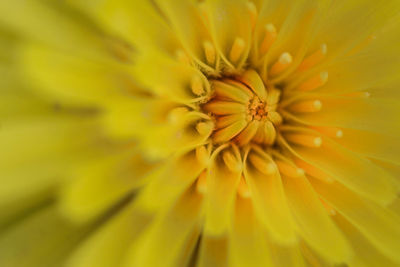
(209, 52)
(267, 168)
(314, 58)
(363, 45)
(307, 106)
(253, 13)
(202, 155)
(237, 49)
(304, 140)
(315, 82)
(231, 161)
(243, 189)
(269, 38)
(197, 86)
(226, 134)
(204, 128)
(201, 184)
(331, 132)
(288, 169)
(314, 171)
(224, 108)
(248, 133)
(182, 57)
(328, 207)
(358, 94)
(282, 64)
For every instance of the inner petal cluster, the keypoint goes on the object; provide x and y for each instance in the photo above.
(244, 110)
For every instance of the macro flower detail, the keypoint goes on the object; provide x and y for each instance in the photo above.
(166, 133)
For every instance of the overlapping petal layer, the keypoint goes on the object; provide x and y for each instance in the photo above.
(199, 133)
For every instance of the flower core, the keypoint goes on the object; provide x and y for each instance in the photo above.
(244, 110)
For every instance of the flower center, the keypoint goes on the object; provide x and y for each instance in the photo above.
(244, 110)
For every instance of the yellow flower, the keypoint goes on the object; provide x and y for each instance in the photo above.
(169, 133)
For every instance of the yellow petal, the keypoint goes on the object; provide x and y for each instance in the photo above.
(168, 182)
(247, 246)
(31, 242)
(364, 253)
(107, 246)
(380, 146)
(221, 193)
(213, 251)
(67, 78)
(230, 23)
(360, 113)
(170, 239)
(36, 151)
(350, 169)
(379, 225)
(269, 200)
(176, 84)
(32, 20)
(350, 24)
(100, 183)
(123, 17)
(287, 255)
(313, 222)
(189, 25)
(253, 80)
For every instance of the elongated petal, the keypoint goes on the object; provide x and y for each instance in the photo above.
(108, 245)
(169, 181)
(376, 223)
(220, 198)
(213, 252)
(355, 172)
(373, 145)
(246, 246)
(101, 183)
(19, 245)
(66, 78)
(314, 223)
(364, 253)
(269, 200)
(177, 229)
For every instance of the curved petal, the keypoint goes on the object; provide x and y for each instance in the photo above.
(313, 222)
(269, 199)
(98, 184)
(170, 239)
(246, 245)
(30, 243)
(222, 183)
(355, 113)
(377, 224)
(356, 173)
(213, 251)
(379, 146)
(107, 246)
(364, 253)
